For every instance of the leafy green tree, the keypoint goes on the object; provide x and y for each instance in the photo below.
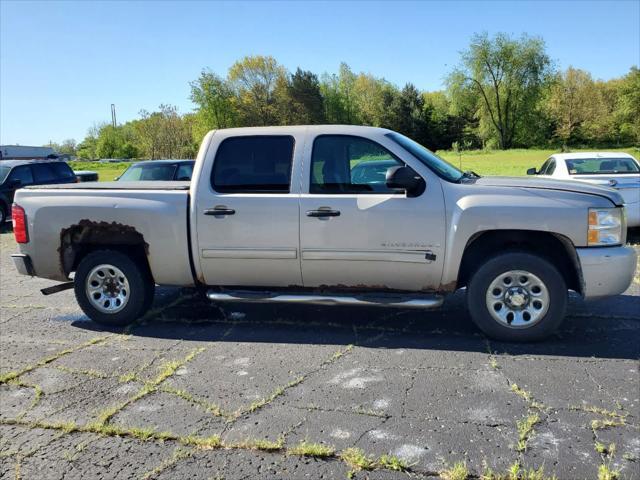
(570, 102)
(305, 98)
(504, 77)
(254, 80)
(627, 111)
(215, 99)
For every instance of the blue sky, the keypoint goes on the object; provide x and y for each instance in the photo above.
(64, 63)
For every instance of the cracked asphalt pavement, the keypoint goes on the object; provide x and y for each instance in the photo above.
(245, 391)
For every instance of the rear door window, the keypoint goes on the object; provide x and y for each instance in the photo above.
(256, 164)
(22, 173)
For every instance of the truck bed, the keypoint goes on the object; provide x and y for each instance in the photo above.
(108, 214)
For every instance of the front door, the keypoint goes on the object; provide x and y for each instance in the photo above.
(247, 215)
(355, 232)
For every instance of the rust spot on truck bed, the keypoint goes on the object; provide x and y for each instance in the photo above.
(89, 233)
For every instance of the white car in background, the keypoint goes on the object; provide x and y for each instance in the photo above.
(613, 169)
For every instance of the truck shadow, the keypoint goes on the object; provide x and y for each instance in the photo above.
(585, 332)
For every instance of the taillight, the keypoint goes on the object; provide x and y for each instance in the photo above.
(19, 220)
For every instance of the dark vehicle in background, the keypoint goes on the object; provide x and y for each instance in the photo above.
(15, 174)
(86, 175)
(158, 170)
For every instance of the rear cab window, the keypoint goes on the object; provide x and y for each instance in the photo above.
(44, 173)
(62, 170)
(253, 164)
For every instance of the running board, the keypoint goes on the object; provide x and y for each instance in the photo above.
(366, 300)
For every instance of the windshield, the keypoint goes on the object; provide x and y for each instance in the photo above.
(602, 166)
(148, 172)
(440, 167)
(4, 171)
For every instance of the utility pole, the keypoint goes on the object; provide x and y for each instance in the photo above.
(113, 115)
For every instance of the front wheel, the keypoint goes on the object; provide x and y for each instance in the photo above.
(113, 289)
(517, 297)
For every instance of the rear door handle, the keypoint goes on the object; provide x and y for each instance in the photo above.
(219, 210)
(323, 213)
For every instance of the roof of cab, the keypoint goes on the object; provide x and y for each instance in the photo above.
(16, 163)
(318, 129)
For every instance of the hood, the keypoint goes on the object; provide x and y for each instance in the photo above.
(549, 184)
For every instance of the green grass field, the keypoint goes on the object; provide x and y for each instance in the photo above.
(106, 171)
(497, 162)
(509, 162)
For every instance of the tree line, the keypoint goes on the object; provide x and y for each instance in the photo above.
(505, 92)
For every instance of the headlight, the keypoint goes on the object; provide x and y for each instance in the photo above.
(605, 226)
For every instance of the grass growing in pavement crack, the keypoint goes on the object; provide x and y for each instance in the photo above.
(14, 375)
(204, 404)
(258, 444)
(605, 472)
(165, 371)
(525, 430)
(178, 454)
(357, 459)
(89, 373)
(458, 471)
(516, 472)
(309, 449)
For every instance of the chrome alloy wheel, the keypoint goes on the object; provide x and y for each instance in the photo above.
(517, 299)
(107, 288)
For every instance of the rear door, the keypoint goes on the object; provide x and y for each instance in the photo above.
(246, 204)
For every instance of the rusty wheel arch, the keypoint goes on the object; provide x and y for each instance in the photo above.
(76, 241)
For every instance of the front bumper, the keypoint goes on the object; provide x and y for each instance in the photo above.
(23, 264)
(606, 271)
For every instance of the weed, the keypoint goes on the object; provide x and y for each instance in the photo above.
(606, 473)
(204, 443)
(459, 471)
(127, 377)
(260, 444)
(357, 460)
(525, 430)
(391, 462)
(307, 449)
(606, 423)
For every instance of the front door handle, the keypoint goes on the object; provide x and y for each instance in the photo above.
(323, 213)
(219, 210)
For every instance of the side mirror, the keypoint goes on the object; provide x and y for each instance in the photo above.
(116, 178)
(407, 179)
(532, 171)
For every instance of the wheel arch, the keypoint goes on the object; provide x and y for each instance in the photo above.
(556, 248)
(77, 241)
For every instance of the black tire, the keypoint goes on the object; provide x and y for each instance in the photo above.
(477, 297)
(140, 294)
(3, 214)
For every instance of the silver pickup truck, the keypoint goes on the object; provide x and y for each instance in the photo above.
(336, 215)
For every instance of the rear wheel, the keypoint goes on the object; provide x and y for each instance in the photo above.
(517, 297)
(113, 289)
(3, 214)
